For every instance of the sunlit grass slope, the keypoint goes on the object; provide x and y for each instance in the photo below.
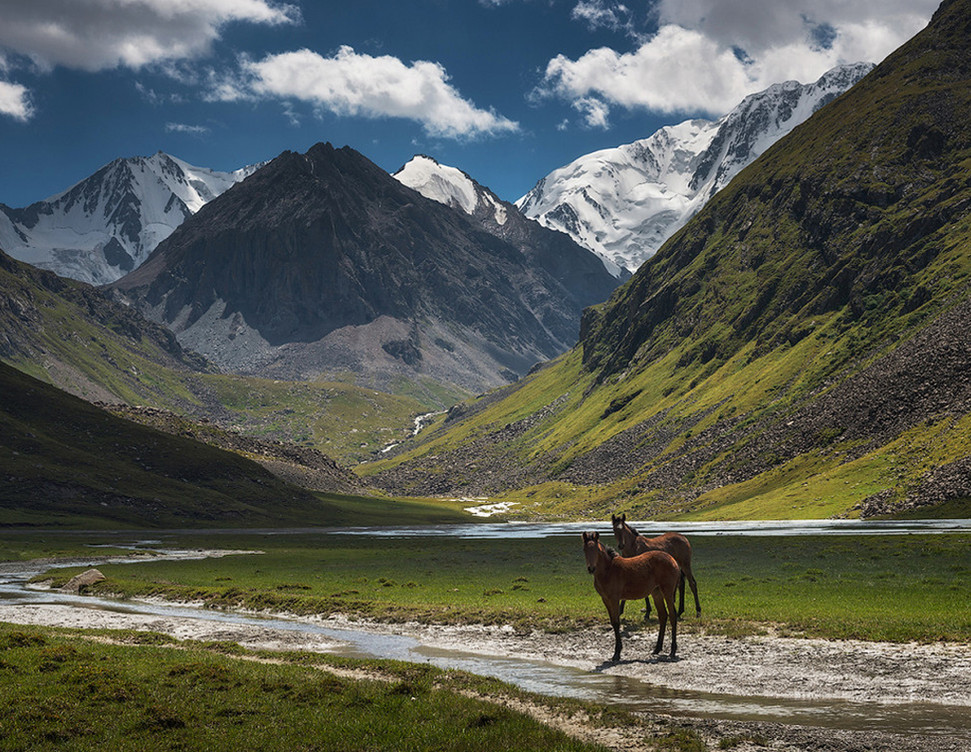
(796, 350)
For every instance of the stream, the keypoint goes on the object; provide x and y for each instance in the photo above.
(23, 604)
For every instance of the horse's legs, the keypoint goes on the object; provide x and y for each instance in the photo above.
(613, 611)
(686, 574)
(674, 622)
(647, 608)
(681, 587)
(662, 618)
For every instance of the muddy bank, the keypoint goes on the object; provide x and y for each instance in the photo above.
(778, 667)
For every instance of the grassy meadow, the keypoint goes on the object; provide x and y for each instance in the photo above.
(897, 588)
(123, 691)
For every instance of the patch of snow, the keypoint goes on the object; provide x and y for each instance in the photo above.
(488, 510)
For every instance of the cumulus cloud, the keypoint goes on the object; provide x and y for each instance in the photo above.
(676, 71)
(594, 111)
(14, 101)
(350, 83)
(709, 54)
(96, 35)
(100, 34)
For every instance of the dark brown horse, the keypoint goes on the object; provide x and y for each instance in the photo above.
(618, 578)
(631, 543)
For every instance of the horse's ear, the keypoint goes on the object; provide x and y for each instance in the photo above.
(595, 536)
(623, 518)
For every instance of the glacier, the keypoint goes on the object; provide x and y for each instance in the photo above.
(623, 203)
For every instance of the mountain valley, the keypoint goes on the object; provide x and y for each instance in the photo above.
(791, 344)
(794, 350)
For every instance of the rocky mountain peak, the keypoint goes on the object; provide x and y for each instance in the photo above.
(324, 263)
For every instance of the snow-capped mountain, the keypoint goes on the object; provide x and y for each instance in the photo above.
(321, 264)
(452, 187)
(623, 203)
(106, 225)
(455, 188)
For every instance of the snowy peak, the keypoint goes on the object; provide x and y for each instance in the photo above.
(623, 203)
(452, 187)
(456, 189)
(107, 224)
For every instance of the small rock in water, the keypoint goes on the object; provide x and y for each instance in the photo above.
(79, 581)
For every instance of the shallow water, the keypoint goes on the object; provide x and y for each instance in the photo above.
(526, 530)
(650, 527)
(532, 675)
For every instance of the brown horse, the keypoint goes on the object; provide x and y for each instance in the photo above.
(631, 543)
(615, 577)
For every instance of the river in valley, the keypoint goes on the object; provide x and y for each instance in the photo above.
(831, 684)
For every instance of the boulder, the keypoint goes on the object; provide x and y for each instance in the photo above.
(80, 581)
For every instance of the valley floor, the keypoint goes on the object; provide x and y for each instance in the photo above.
(880, 675)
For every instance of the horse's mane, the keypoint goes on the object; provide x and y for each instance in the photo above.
(611, 553)
(632, 529)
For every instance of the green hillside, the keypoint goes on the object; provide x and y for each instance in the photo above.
(66, 462)
(799, 349)
(71, 335)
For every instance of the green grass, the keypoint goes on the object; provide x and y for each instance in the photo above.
(836, 247)
(347, 422)
(896, 588)
(64, 691)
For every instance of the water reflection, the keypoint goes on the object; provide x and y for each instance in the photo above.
(653, 527)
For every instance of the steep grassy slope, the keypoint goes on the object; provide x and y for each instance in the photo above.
(66, 462)
(71, 335)
(798, 350)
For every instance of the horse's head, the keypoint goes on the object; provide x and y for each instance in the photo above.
(591, 550)
(622, 531)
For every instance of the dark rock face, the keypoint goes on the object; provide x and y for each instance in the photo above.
(316, 243)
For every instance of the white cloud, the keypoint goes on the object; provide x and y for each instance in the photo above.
(760, 26)
(602, 13)
(15, 102)
(678, 70)
(101, 34)
(194, 130)
(709, 54)
(594, 111)
(349, 83)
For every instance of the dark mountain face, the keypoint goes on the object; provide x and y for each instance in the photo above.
(323, 260)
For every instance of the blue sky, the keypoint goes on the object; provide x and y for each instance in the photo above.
(506, 90)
